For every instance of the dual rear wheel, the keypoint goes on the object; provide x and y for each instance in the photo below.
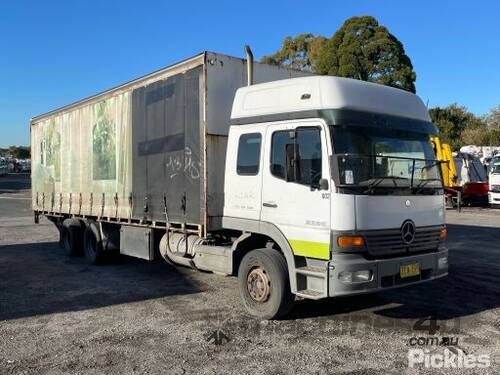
(78, 238)
(71, 237)
(92, 244)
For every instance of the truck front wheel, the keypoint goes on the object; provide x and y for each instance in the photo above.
(264, 284)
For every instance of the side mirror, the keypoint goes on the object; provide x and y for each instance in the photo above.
(323, 184)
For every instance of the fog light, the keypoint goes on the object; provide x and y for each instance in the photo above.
(442, 263)
(348, 277)
(361, 276)
(345, 276)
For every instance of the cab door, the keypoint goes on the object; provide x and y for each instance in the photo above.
(296, 186)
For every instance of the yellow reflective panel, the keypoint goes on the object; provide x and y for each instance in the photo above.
(311, 249)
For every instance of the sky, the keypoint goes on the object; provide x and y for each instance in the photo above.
(53, 53)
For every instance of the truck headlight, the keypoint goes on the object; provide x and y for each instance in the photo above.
(348, 277)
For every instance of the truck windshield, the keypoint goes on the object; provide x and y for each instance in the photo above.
(381, 161)
(495, 168)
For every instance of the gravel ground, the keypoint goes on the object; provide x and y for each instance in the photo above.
(59, 315)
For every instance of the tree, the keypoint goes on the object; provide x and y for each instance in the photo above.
(19, 152)
(458, 126)
(299, 53)
(493, 118)
(360, 49)
(493, 121)
(474, 136)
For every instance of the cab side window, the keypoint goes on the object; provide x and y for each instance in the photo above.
(278, 149)
(309, 158)
(296, 155)
(248, 154)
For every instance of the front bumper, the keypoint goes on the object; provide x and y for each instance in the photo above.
(493, 197)
(385, 272)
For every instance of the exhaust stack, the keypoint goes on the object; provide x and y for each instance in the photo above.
(249, 54)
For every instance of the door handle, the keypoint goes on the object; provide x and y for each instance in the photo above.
(272, 205)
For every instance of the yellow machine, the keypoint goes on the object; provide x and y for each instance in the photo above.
(448, 169)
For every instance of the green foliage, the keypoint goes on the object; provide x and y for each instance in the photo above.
(103, 145)
(473, 136)
(360, 49)
(494, 137)
(299, 53)
(493, 118)
(459, 127)
(19, 152)
(493, 121)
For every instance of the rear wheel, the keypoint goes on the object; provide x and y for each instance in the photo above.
(71, 231)
(92, 244)
(264, 284)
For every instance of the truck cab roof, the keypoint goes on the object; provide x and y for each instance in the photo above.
(325, 92)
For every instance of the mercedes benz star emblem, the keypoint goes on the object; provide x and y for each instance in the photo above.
(408, 232)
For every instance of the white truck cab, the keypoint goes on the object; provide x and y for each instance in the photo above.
(494, 182)
(341, 176)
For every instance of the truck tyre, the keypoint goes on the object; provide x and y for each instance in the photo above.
(71, 232)
(92, 243)
(264, 284)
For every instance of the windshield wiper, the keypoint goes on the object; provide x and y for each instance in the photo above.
(374, 182)
(422, 184)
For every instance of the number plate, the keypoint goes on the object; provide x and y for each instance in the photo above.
(409, 270)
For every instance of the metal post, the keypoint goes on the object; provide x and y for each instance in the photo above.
(91, 202)
(116, 205)
(102, 204)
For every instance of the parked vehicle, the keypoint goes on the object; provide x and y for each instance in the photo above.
(24, 165)
(494, 182)
(473, 178)
(451, 180)
(312, 186)
(4, 167)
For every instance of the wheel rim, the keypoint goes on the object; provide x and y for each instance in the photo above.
(258, 285)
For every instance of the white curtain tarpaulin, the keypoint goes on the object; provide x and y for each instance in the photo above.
(81, 159)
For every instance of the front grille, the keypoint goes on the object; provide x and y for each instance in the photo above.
(387, 243)
(495, 188)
